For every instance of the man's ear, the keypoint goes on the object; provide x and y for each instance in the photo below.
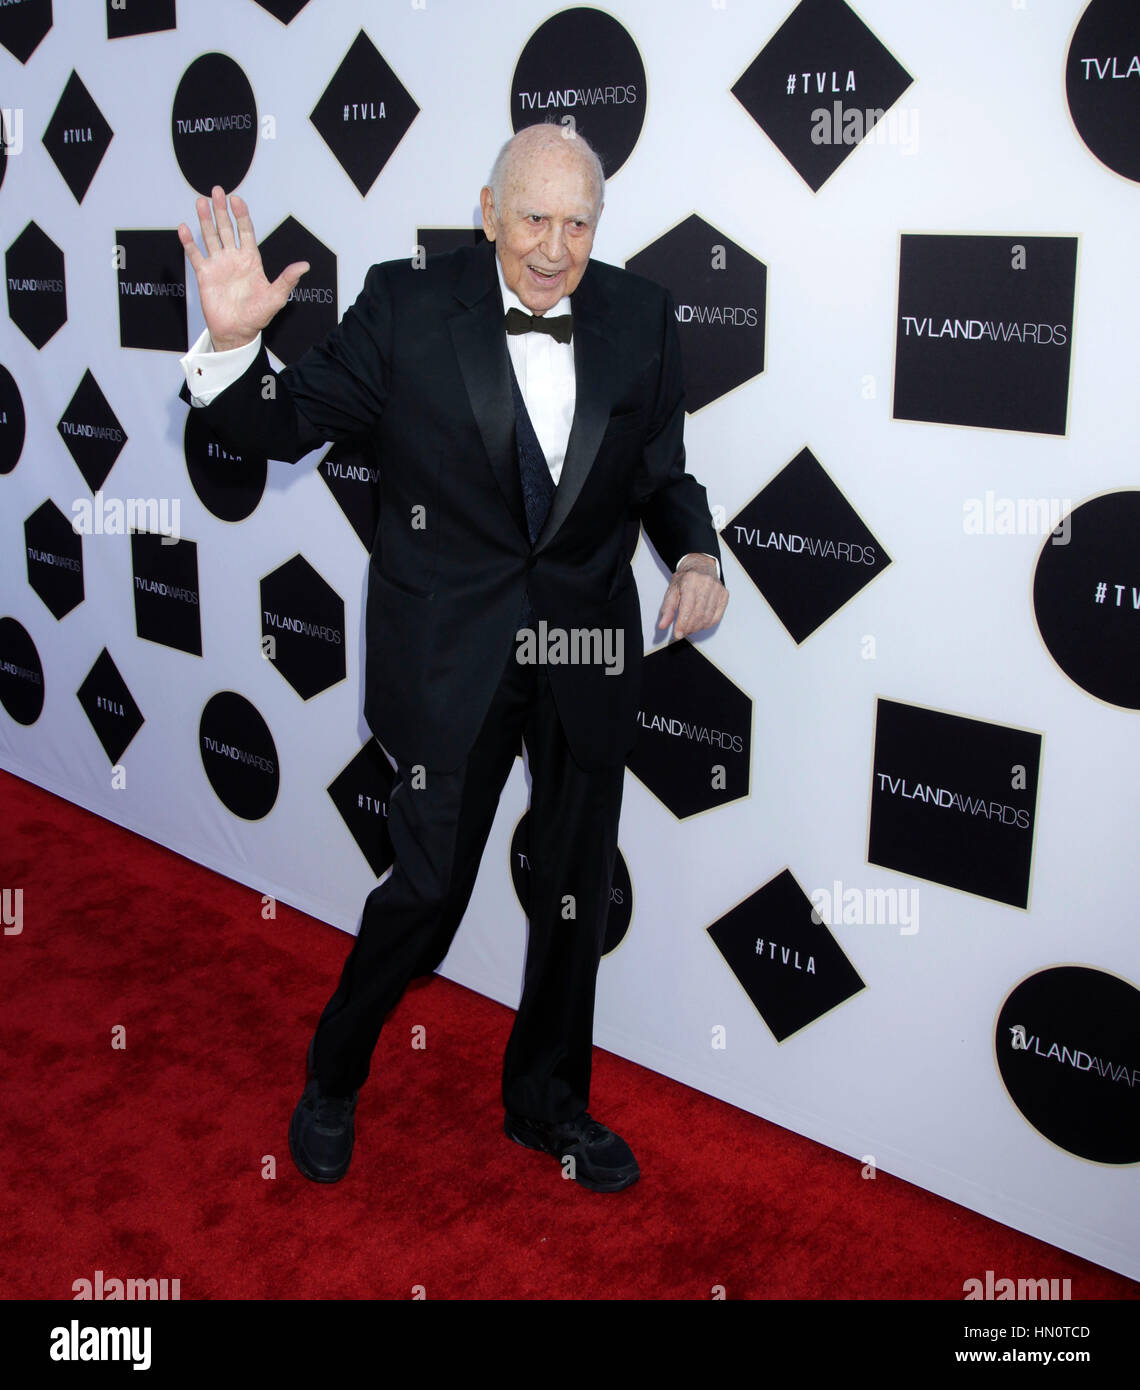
(487, 204)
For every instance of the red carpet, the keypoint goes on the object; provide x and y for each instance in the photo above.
(147, 1161)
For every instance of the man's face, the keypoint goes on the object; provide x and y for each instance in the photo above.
(544, 231)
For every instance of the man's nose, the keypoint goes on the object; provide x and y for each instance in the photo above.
(552, 244)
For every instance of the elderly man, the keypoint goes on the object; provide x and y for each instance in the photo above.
(526, 407)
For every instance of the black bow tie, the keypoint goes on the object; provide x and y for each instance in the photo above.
(559, 328)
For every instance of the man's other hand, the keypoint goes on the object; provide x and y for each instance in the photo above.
(237, 299)
(695, 598)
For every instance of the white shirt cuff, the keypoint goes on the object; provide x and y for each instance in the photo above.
(208, 373)
(713, 558)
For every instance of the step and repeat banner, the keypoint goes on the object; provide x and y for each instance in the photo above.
(878, 879)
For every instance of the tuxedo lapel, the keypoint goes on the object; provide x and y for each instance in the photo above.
(594, 374)
(480, 346)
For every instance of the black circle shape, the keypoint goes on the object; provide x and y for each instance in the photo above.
(238, 755)
(21, 673)
(1104, 101)
(228, 487)
(1086, 597)
(12, 422)
(1068, 1051)
(213, 123)
(581, 70)
(621, 889)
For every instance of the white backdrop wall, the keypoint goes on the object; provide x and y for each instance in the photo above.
(905, 1070)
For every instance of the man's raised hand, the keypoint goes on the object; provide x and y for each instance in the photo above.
(237, 300)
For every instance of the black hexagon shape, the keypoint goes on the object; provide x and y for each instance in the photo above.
(351, 470)
(77, 136)
(311, 310)
(21, 673)
(819, 85)
(720, 294)
(93, 435)
(804, 546)
(693, 748)
(37, 286)
(23, 27)
(55, 558)
(360, 792)
(302, 627)
(128, 21)
(784, 956)
(364, 113)
(110, 707)
(12, 422)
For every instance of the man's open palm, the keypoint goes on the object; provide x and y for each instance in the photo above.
(237, 300)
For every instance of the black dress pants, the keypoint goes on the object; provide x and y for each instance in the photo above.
(438, 831)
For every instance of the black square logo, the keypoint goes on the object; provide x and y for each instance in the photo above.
(364, 113)
(819, 86)
(110, 707)
(804, 546)
(77, 137)
(166, 591)
(152, 290)
(984, 333)
(93, 435)
(790, 965)
(954, 800)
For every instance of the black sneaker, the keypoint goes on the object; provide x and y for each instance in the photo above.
(322, 1131)
(599, 1159)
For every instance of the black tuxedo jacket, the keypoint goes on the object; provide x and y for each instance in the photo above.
(419, 364)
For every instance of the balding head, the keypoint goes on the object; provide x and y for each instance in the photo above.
(541, 209)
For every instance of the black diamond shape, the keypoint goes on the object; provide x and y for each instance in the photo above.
(284, 10)
(364, 113)
(694, 732)
(77, 136)
(311, 309)
(37, 284)
(305, 618)
(719, 291)
(794, 85)
(166, 591)
(55, 558)
(229, 485)
(23, 26)
(790, 965)
(110, 707)
(360, 793)
(352, 472)
(804, 546)
(128, 21)
(12, 422)
(93, 435)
